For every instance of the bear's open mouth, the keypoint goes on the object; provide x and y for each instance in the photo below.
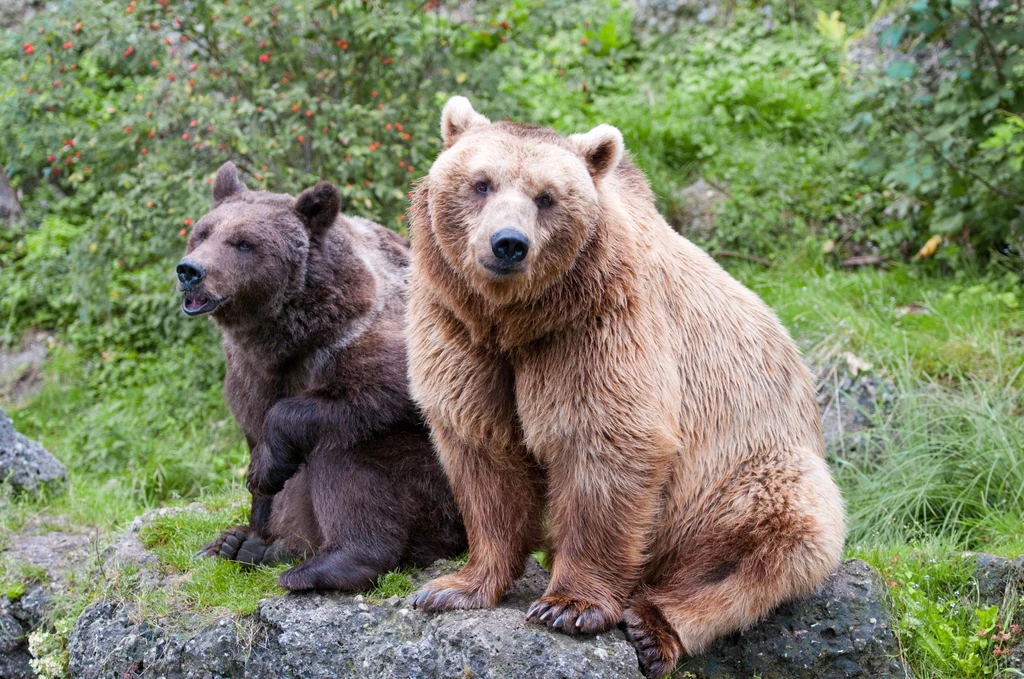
(197, 304)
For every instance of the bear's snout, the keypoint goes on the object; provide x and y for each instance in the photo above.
(509, 246)
(190, 273)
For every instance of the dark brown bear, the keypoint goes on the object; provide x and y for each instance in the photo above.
(312, 306)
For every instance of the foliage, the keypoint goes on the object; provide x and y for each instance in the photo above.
(213, 586)
(138, 104)
(124, 111)
(940, 128)
(938, 616)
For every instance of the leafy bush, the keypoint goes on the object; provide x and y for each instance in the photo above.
(941, 128)
(124, 111)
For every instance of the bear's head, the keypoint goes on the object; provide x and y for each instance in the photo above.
(248, 255)
(512, 206)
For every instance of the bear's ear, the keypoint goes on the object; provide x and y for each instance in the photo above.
(227, 183)
(601, 149)
(457, 116)
(318, 207)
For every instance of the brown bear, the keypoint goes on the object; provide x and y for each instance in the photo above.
(586, 369)
(312, 307)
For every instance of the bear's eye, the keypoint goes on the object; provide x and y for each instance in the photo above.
(483, 187)
(202, 235)
(243, 245)
(543, 200)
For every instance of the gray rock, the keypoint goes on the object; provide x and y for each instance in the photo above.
(1001, 583)
(849, 396)
(696, 218)
(59, 554)
(14, 656)
(25, 464)
(842, 631)
(10, 208)
(1000, 580)
(21, 366)
(17, 619)
(665, 16)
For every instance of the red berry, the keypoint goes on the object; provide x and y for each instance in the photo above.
(127, 129)
(185, 136)
(145, 150)
(130, 51)
(183, 232)
(309, 114)
(265, 58)
(155, 63)
(301, 139)
(67, 45)
(583, 41)
(29, 48)
(192, 124)
(245, 19)
(188, 222)
(78, 27)
(50, 158)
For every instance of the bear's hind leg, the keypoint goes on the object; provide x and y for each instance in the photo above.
(356, 510)
(723, 583)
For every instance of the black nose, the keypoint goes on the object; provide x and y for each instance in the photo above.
(510, 245)
(190, 273)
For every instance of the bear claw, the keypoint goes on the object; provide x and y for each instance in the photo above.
(449, 593)
(656, 644)
(569, 615)
(242, 545)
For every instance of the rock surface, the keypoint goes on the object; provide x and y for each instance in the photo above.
(21, 366)
(58, 553)
(849, 392)
(10, 208)
(696, 219)
(1001, 583)
(25, 464)
(843, 626)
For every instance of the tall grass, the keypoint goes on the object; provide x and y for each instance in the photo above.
(947, 462)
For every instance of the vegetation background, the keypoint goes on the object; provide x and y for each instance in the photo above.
(860, 166)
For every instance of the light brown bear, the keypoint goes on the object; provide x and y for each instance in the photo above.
(585, 368)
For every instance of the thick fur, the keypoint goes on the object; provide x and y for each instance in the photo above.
(313, 310)
(620, 388)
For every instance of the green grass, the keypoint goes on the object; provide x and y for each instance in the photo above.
(943, 629)
(943, 473)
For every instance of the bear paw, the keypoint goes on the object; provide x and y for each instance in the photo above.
(241, 544)
(571, 615)
(657, 647)
(452, 592)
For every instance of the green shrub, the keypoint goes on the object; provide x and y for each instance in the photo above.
(941, 129)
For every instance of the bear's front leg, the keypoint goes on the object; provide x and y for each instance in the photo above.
(596, 409)
(602, 510)
(466, 395)
(500, 495)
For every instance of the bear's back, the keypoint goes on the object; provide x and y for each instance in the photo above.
(742, 376)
